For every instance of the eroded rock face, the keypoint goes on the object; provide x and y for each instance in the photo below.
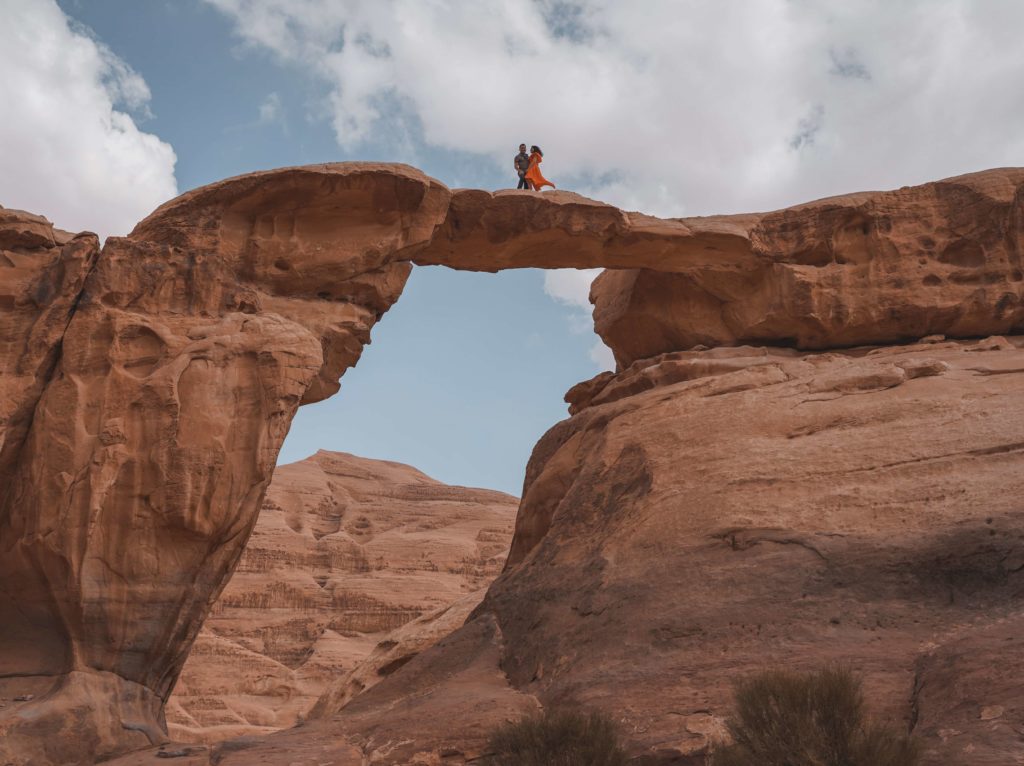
(490, 231)
(353, 568)
(736, 509)
(968, 703)
(41, 274)
(874, 267)
(129, 501)
(743, 500)
(883, 267)
(715, 514)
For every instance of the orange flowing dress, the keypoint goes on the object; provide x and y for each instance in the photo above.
(533, 173)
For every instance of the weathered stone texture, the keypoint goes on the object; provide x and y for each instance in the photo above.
(354, 566)
(706, 511)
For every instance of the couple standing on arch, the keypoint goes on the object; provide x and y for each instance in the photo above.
(528, 168)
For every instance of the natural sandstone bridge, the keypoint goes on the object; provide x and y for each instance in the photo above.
(147, 388)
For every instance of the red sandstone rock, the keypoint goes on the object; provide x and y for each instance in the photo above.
(486, 231)
(882, 267)
(395, 650)
(322, 245)
(41, 276)
(444, 702)
(968, 704)
(353, 568)
(767, 509)
(699, 517)
(154, 435)
(874, 267)
(760, 510)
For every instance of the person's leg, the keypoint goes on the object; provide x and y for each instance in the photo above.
(522, 183)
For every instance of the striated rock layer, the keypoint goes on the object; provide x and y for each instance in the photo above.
(345, 552)
(147, 388)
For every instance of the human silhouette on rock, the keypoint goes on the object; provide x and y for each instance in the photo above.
(533, 174)
(521, 163)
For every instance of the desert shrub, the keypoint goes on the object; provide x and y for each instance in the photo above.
(556, 738)
(784, 718)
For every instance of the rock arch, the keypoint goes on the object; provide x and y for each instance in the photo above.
(148, 387)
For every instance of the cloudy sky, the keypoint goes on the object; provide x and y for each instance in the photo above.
(674, 107)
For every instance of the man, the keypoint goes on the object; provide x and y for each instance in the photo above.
(522, 164)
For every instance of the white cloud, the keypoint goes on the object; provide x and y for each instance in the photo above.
(570, 286)
(674, 107)
(270, 109)
(68, 150)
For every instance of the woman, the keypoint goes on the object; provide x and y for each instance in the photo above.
(537, 181)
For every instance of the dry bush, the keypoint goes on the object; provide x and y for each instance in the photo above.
(809, 719)
(556, 738)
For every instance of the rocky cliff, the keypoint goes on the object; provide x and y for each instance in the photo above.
(716, 513)
(709, 509)
(720, 512)
(345, 552)
(150, 399)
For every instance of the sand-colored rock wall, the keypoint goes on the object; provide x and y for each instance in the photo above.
(157, 426)
(350, 559)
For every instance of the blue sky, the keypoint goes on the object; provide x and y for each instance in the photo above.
(467, 371)
(673, 107)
